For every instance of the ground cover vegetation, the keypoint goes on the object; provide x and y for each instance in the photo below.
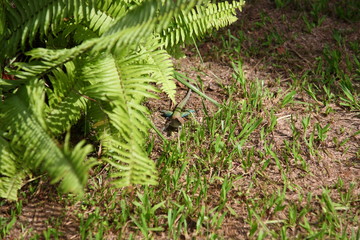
(277, 159)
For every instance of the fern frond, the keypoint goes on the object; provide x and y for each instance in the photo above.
(50, 60)
(113, 8)
(32, 143)
(6, 84)
(2, 20)
(120, 94)
(125, 145)
(162, 66)
(141, 22)
(66, 102)
(199, 21)
(137, 25)
(11, 174)
(130, 160)
(101, 21)
(26, 19)
(129, 84)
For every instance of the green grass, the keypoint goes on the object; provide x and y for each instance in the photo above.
(198, 189)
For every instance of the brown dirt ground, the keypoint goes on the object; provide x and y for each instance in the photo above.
(271, 62)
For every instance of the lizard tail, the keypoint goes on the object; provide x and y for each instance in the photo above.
(188, 93)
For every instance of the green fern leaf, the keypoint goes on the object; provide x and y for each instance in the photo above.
(127, 153)
(22, 119)
(50, 60)
(66, 102)
(141, 22)
(162, 66)
(26, 19)
(11, 173)
(120, 94)
(199, 21)
(113, 8)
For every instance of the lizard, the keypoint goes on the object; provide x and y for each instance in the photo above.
(184, 114)
(176, 117)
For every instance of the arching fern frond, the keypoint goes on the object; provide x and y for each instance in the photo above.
(113, 8)
(101, 21)
(162, 67)
(49, 59)
(120, 94)
(11, 172)
(128, 158)
(24, 125)
(66, 102)
(141, 22)
(199, 21)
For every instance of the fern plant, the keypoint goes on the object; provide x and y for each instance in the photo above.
(90, 62)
